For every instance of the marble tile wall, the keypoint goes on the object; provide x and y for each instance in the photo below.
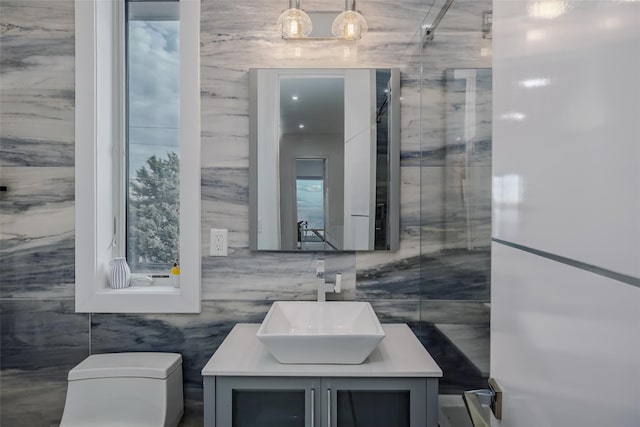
(455, 205)
(42, 337)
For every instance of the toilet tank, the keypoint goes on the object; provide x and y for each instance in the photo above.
(132, 389)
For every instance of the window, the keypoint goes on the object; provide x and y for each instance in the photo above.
(137, 152)
(152, 143)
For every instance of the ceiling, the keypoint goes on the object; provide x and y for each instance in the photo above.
(313, 101)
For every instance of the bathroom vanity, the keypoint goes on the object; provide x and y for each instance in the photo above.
(397, 385)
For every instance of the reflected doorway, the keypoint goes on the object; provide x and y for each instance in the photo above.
(311, 204)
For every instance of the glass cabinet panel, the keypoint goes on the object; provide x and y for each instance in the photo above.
(267, 402)
(375, 402)
(360, 408)
(273, 408)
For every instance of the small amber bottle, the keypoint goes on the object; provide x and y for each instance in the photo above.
(175, 275)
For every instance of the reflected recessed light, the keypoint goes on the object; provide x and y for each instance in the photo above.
(294, 97)
(301, 125)
(513, 116)
(531, 83)
(535, 35)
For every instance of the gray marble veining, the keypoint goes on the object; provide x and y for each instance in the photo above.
(37, 83)
(456, 274)
(454, 312)
(472, 341)
(37, 232)
(41, 341)
(196, 337)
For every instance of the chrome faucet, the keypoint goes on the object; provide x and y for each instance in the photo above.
(323, 286)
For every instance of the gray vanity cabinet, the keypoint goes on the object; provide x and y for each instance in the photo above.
(244, 386)
(323, 402)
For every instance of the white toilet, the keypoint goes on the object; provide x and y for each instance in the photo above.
(125, 389)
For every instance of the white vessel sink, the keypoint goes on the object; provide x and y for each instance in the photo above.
(320, 332)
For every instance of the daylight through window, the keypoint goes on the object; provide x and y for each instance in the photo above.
(152, 135)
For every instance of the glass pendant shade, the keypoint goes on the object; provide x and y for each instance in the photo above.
(349, 25)
(294, 23)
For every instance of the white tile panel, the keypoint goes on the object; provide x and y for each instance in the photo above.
(564, 344)
(566, 129)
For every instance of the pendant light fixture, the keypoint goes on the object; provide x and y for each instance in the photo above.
(350, 24)
(294, 23)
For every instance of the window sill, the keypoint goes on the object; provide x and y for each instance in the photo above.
(149, 289)
(156, 298)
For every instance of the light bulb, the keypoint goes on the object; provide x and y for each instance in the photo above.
(294, 23)
(349, 25)
(350, 31)
(294, 28)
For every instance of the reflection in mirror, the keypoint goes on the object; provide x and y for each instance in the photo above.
(310, 204)
(324, 159)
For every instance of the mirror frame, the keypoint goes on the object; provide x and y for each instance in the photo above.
(393, 214)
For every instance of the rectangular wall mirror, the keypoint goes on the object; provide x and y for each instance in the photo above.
(324, 159)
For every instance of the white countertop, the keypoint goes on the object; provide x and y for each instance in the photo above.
(399, 354)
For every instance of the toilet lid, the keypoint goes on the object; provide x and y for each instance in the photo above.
(139, 365)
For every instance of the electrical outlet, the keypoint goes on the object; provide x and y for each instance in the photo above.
(219, 242)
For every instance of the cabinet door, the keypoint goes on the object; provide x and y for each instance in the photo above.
(374, 402)
(267, 402)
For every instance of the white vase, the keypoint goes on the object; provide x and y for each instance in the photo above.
(120, 276)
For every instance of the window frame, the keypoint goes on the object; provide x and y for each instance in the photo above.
(100, 128)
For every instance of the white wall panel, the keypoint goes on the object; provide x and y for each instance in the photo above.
(567, 129)
(566, 181)
(564, 344)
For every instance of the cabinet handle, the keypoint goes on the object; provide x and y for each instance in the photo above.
(313, 407)
(328, 407)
